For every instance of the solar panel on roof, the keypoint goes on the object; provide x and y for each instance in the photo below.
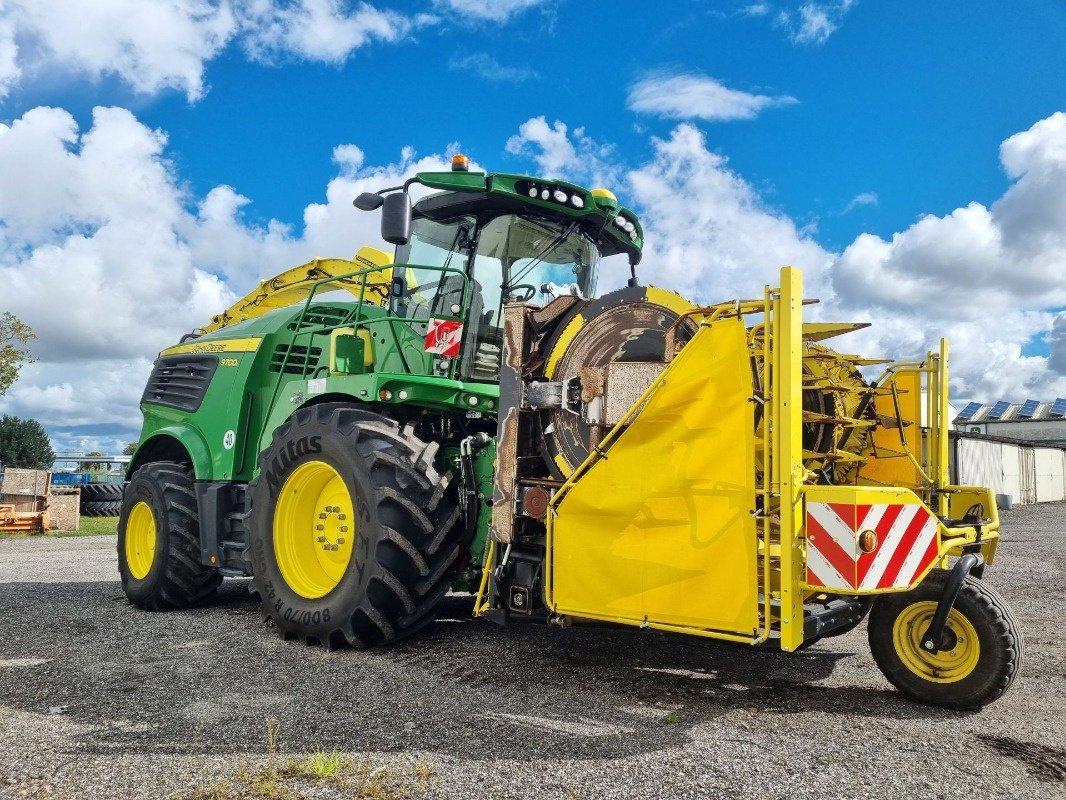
(1028, 409)
(1058, 408)
(999, 409)
(970, 410)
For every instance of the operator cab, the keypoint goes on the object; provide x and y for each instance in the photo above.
(506, 257)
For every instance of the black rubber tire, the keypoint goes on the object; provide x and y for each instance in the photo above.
(108, 508)
(998, 635)
(407, 542)
(176, 579)
(101, 493)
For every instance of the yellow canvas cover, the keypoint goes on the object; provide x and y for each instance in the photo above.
(660, 530)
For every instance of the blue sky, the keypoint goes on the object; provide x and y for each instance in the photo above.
(818, 133)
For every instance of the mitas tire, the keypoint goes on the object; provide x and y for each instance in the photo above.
(403, 547)
(159, 553)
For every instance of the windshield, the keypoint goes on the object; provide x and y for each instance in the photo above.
(517, 258)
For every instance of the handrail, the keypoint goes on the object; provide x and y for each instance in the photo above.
(349, 319)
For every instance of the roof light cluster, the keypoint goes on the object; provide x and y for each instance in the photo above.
(627, 225)
(558, 194)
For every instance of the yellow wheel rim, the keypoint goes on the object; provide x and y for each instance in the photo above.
(314, 529)
(949, 665)
(140, 540)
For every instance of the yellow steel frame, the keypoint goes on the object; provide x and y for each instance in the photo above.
(776, 345)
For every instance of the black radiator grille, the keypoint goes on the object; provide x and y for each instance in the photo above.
(180, 381)
(301, 361)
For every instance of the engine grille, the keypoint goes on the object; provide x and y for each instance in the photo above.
(301, 361)
(180, 381)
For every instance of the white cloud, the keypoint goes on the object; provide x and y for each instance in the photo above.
(105, 255)
(485, 66)
(488, 10)
(806, 23)
(151, 46)
(155, 46)
(559, 153)
(691, 96)
(1057, 344)
(317, 30)
(861, 199)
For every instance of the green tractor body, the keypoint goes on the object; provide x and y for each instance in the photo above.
(423, 355)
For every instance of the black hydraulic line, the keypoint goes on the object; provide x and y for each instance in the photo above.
(933, 640)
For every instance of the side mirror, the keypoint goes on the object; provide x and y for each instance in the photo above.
(368, 201)
(396, 218)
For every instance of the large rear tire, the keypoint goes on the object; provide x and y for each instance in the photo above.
(983, 644)
(354, 537)
(159, 540)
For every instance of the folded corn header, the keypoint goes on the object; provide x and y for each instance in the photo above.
(468, 418)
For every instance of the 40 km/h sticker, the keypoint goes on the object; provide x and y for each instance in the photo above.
(228, 439)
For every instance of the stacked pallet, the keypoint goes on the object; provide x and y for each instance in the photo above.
(24, 501)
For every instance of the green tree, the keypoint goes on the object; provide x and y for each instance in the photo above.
(24, 444)
(92, 466)
(129, 449)
(14, 336)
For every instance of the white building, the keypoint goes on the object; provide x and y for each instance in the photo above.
(1032, 421)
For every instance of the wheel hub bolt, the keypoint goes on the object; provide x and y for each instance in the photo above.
(322, 515)
(344, 529)
(321, 538)
(340, 540)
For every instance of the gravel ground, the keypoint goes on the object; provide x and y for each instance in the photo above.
(102, 700)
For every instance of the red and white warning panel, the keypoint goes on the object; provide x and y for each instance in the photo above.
(443, 337)
(869, 546)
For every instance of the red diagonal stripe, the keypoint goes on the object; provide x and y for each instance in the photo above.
(825, 544)
(846, 512)
(883, 528)
(931, 552)
(813, 578)
(905, 545)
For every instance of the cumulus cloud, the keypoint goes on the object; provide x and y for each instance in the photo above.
(154, 46)
(559, 153)
(107, 257)
(485, 66)
(151, 46)
(317, 30)
(693, 96)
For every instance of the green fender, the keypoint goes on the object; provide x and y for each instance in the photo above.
(158, 448)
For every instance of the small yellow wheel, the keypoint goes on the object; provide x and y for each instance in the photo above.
(981, 647)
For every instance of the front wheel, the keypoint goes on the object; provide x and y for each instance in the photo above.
(159, 540)
(354, 534)
(982, 644)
